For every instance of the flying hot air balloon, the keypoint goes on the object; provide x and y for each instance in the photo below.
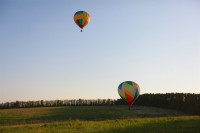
(81, 18)
(129, 91)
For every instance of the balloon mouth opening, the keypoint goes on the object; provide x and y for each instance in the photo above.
(130, 104)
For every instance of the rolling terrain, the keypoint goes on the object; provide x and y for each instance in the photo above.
(97, 119)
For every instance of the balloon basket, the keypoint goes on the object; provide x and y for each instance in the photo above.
(129, 105)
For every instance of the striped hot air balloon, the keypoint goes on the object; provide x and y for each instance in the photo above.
(81, 18)
(129, 92)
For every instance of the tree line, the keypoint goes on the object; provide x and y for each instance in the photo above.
(54, 103)
(186, 102)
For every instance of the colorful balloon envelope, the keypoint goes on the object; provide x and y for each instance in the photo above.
(81, 18)
(129, 91)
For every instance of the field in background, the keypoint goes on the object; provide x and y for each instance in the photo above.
(96, 119)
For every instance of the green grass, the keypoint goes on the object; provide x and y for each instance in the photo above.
(97, 119)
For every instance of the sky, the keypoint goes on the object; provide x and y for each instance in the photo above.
(44, 56)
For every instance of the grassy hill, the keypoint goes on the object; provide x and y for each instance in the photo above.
(96, 119)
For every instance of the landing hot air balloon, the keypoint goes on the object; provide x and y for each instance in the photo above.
(81, 18)
(129, 91)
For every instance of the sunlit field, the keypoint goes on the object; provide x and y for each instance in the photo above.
(97, 119)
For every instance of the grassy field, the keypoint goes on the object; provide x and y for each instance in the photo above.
(97, 119)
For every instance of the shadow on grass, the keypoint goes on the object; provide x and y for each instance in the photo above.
(85, 113)
(98, 113)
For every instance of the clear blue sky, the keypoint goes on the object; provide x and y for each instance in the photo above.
(43, 54)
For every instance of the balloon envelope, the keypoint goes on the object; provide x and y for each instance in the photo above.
(129, 92)
(81, 18)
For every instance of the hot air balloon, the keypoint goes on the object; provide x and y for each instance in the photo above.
(129, 92)
(81, 18)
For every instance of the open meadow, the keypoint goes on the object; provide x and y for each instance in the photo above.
(97, 119)
(78, 66)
